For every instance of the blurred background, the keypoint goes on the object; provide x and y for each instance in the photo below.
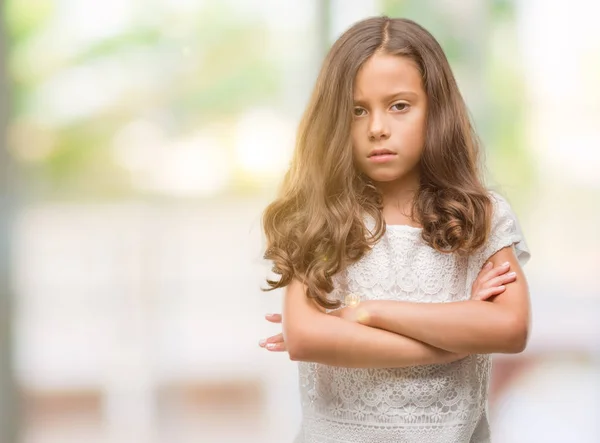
(140, 142)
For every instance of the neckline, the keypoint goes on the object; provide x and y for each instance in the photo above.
(404, 228)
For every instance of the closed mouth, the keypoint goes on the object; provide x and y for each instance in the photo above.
(379, 152)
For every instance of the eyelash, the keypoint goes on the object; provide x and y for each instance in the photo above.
(404, 105)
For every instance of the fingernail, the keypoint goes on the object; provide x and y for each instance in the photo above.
(488, 264)
(506, 263)
(271, 345)
(262, 342)
(268, 315)
(512, 274)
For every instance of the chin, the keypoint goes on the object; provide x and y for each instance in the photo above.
(385, 176)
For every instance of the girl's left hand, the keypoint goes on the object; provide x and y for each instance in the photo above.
(275, 343)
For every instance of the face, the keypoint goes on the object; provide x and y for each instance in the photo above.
(389, 118)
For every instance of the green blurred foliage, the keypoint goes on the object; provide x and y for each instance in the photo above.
(211, 72)
(501, 121)
(26, 17)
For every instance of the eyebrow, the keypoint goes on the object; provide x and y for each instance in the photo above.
(390, 97)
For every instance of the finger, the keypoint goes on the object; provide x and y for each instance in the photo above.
(273, 318)
(276, 347)
(503, 279)
(489, 292)
(484, 270)
(275, 339)
(488, 267)
(495, 272)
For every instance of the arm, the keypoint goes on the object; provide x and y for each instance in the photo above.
(470, 326)
(312, 335)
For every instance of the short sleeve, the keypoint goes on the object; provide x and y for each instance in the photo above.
(505, 231)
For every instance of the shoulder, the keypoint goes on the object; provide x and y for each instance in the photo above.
(505, 229)
(503, 215)
(499, 203)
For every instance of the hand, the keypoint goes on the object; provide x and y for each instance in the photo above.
(491, 281)
(274, 343)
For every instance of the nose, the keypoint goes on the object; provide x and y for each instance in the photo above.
(378, 128)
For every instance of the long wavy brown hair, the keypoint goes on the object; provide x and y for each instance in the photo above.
(316, 226)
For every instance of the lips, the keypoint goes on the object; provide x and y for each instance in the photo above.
(378, 152)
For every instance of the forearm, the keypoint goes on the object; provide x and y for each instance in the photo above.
(466, 326)
(338, 342)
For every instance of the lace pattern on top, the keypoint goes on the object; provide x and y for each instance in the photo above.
(429, 403)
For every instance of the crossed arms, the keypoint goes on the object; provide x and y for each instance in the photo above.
(387, 333)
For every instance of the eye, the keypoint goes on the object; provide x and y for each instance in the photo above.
(358, 112)
(400, 107)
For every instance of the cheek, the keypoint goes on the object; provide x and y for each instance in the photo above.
(358, 142)
(358, 158)
(355, 132)
(411, 135)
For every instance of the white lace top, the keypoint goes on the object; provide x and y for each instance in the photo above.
(443, 403)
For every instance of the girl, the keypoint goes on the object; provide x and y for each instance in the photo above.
(394, 256)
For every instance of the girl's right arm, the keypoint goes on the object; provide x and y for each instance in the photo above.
(312, 335)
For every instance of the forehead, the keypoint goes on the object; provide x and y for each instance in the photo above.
(383, 74)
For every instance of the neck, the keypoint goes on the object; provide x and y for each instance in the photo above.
(399, 193)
